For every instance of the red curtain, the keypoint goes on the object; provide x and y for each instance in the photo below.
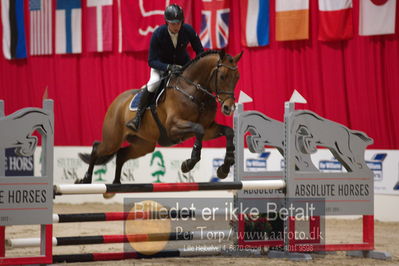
(354, 82)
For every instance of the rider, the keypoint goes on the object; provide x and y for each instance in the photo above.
(167, 53)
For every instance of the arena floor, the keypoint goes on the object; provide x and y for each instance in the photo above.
(337, 230)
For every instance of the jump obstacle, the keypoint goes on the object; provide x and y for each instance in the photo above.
(68, 189)
(119, 216)
(131, 255)
(295, 139)
(111, 239)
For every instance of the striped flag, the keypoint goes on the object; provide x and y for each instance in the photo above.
(377, 17)
(255, 22)
(292, 20)
(68, 23)
(99, 25)
(14, 38)
(40, 27)
(335, 20)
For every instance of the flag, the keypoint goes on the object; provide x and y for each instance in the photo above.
(14, 38)
(377, 17)
(191, 9)
(68, 32)
(254, 16)
(335, 20)
(292, 20)
(40, 27)
(99, 25)
(215, 23)
(140, 18)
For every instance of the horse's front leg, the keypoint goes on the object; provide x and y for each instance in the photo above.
(189, 164)
(183, 127)
(215, 131)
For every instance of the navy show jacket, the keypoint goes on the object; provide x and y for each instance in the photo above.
(162, 52)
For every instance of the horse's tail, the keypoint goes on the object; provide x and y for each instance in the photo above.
(85, 157)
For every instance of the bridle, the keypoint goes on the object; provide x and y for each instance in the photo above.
(218, 91)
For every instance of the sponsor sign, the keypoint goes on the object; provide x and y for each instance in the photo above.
(383, 163)
(22, 193)
(17, 165)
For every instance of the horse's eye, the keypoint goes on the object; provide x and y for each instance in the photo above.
(223, 77)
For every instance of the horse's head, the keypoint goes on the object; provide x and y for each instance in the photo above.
(215, 74)
(223, 80)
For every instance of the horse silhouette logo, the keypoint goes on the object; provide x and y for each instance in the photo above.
(267, 131)
(309, 131)
(348, 146)
(16, 129)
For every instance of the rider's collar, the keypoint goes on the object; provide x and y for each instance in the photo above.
(173, 34)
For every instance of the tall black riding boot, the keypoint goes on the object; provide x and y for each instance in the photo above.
(134, 124)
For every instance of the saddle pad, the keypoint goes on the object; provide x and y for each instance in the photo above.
(134, 103)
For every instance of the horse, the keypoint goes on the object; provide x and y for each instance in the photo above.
(17, 128)
(187, 108)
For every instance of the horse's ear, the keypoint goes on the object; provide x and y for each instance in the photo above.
(222, 53)
(237, 57)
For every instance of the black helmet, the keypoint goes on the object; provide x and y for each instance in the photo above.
(174, 14)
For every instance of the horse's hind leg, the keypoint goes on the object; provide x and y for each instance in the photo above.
(139, 147)
(89, 173)
(215, 131)
(101, 153)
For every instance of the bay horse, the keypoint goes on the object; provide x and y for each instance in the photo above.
(187, 109)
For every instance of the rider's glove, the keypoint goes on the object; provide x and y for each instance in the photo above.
(174, 69)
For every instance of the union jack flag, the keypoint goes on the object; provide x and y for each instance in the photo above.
(215, 23)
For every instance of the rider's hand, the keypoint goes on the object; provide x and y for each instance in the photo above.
(174, 69)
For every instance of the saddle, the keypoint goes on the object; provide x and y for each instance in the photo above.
(158, 97)
(154, 100)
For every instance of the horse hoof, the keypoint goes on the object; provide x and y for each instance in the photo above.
(221, 173)
(184, 167)
(83, 181)
(80, 181)
(108, 195)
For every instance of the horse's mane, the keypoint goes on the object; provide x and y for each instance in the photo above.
(201, 55)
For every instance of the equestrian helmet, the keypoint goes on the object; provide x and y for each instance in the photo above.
(174, 14)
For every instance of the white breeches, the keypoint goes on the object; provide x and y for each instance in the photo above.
(154, 81)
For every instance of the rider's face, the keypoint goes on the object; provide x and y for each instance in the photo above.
(174, 27)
